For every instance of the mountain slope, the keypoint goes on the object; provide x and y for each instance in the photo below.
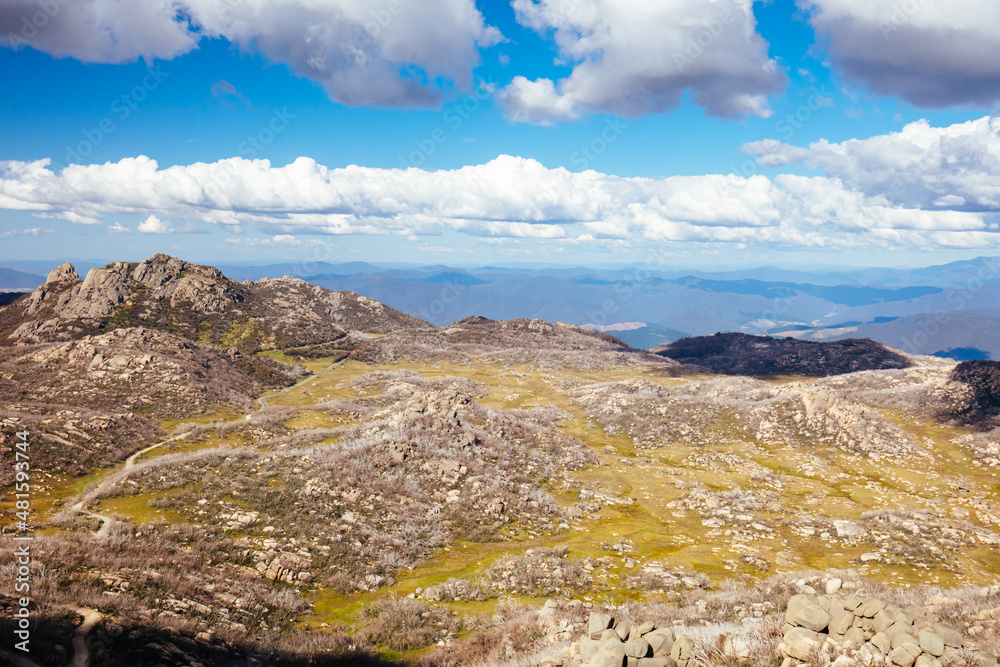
(11, 279)
(195, 302)
(959, 335)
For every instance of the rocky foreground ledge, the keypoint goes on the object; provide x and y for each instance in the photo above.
(851, 630)
(830, 630)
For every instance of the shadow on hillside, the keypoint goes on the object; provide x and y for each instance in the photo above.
(111, 645)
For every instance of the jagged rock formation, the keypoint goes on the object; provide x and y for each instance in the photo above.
(743, 354)
(195, 302)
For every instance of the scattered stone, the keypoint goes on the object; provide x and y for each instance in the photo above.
(599, 623)
(811, 616)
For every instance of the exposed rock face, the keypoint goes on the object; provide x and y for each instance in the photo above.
(300, 314)
(527, 332)
(61, 273)
(131, 369)
(196, 302)
(743, 354)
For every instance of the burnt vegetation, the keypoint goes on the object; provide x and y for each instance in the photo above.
(744, 354)
(982, 404)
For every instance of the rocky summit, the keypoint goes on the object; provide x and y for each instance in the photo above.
(196, 302)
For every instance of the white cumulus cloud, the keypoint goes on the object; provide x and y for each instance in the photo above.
(934, 53)
(920, 166)
(153, 225)
(385, 53)
(640, 57)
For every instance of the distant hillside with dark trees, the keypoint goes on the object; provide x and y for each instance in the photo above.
(743, 354)
(983, 378)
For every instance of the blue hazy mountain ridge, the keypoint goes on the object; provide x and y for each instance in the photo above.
(890, 305)
(450, 278)
(953, 274)
(959, 335)
(848, 295)
(12, 279)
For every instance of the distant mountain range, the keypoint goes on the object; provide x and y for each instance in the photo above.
(13, 280)
(948, 310)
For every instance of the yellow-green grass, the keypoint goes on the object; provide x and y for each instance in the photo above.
(673, 536)
(312, 365)
(221, 414)
(137, 508)
(307, 419)
(60, 488)
(211, 440)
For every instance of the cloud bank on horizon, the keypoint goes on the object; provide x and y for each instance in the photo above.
(894, 191)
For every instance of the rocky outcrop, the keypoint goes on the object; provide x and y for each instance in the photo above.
(529, 333)
(510, 342)
(847, 631)
(197, 302)
(62, 273)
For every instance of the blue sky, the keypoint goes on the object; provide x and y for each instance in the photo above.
(240, 86)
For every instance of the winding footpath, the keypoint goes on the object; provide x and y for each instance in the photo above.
(130, 462)
(263, 399)
(91, 617)
(81, 652)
